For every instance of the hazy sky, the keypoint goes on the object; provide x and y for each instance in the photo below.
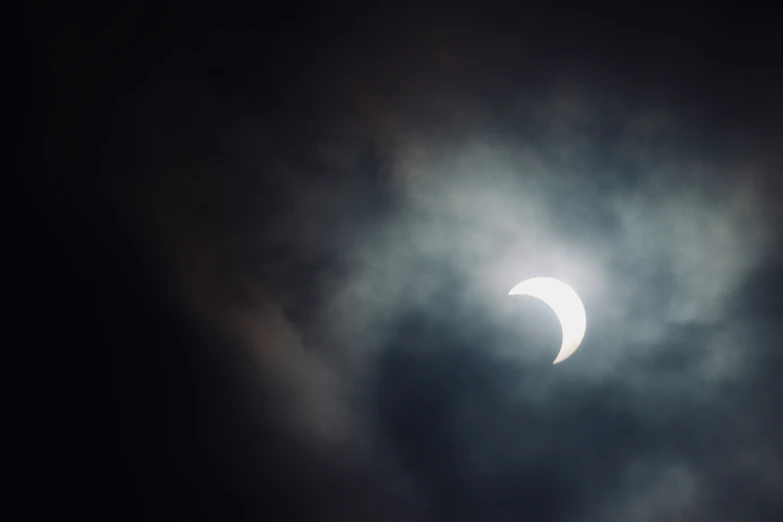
(350, 200)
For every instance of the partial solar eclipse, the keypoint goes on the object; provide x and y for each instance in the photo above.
(565, 302)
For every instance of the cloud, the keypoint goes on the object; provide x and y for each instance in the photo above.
(657, 254)
(372, 295)
(667, 491)
(660, 258)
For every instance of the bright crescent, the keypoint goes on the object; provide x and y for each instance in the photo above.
(566, 304)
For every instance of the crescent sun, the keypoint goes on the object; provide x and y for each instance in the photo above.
(566, 304)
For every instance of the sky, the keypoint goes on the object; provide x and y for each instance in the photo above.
(271, 258)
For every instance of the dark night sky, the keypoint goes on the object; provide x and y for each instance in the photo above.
(262, 262)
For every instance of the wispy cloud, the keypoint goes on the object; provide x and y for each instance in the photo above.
(658, 238)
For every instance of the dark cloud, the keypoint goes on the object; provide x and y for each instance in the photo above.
(336, 223)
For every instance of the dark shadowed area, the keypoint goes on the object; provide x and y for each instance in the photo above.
(262, 261)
